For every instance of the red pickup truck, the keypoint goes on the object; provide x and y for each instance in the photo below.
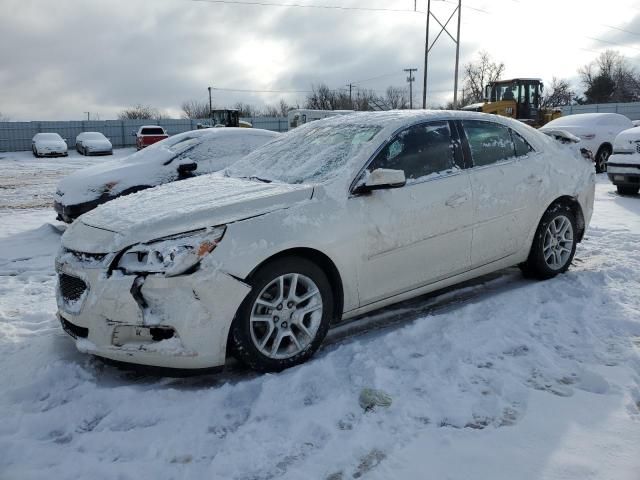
(148, 135)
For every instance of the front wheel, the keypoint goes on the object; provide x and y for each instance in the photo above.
(554, 244)
(285, 317)
(627, 190)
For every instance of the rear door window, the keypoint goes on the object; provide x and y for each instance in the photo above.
(489, 142)
(522, 146)
(420, 151)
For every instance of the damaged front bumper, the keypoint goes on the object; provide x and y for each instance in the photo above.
(171, 322)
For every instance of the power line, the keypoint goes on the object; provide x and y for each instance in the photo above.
(621, 29)
(612, 43)
(303, 5)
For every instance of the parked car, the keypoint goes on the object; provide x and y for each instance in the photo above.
(597, 132)
(182, 156)
(624, 164)
(93, 143)
(148, 135)
(330, 220)
(48, 145)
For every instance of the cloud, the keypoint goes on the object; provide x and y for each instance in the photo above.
(60, 59)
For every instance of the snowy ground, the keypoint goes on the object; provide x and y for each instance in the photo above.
(502, 379)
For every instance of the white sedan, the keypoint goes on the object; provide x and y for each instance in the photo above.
(597, 131)
(48, 145)
(175, 158)
(93, 143)
(328, 221)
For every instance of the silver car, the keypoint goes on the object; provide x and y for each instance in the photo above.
(331, 220)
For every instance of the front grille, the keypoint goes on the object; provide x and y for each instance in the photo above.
(86, 257)
(71, 288)
(74, 330)
(624, 165)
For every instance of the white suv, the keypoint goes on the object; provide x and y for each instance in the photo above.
(328, 221)
(624, 164)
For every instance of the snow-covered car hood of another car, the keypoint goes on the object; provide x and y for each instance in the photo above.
(178, 207)
(97, 144)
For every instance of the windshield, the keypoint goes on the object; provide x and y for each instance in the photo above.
(48, 136)
(307, 154)
(92, 136)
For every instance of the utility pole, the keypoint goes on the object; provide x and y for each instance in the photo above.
(210, 105)
(426, 58)
(455, 83)
(87, 115)
(410, 79)
(350, 85)
(428, 47)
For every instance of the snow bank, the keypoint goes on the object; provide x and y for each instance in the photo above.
(507, 378)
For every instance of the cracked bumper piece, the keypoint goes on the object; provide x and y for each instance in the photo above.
(177, 322)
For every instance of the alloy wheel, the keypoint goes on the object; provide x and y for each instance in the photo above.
(285, 316)
(558, 242)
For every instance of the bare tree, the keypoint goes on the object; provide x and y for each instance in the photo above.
(324, 98)
(480, 73)
(141, 112)
(195, 109)
(271, 111)
(396, 98)
(284, 108)
(4, 118)
(558, 94)
(609, 78)
(246, 110)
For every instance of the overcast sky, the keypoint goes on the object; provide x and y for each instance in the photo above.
(59, 59)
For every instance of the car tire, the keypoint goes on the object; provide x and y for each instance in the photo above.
(35, 153)
(276, 328)
(627, 190)
(601, 158)
(554, 244)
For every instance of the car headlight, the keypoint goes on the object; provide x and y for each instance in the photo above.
(173, 255)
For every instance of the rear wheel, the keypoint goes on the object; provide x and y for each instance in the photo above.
(601, 159)
(627, 189)
(285, 317)
(554, 244)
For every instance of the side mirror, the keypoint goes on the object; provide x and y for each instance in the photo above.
(185, 170)
(381, 179)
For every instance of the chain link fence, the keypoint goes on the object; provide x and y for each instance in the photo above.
(16, 136)
(631, 110)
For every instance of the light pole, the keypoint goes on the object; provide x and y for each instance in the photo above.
(87, 115)
(410, 79)
(210, 105)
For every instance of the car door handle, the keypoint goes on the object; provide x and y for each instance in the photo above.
(534, 179)
(456, 200)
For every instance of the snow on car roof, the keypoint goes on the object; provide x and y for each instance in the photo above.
(584, 119)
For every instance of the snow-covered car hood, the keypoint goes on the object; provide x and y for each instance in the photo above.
(178, 207)
(111, 177)
(628, 141)
(57, 145)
